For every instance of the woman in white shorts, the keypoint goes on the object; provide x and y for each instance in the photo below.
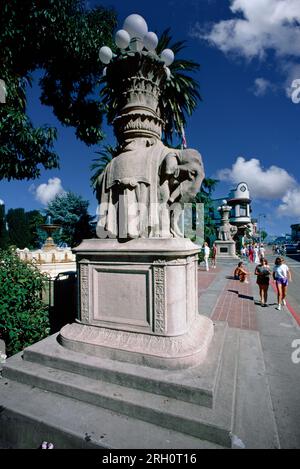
(282, 276)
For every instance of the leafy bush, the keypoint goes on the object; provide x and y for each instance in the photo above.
(23, 315)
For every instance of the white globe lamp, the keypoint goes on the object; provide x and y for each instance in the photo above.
(122, 39)
(136, 26)
(150, 41)
(167, 56)
(105, 54)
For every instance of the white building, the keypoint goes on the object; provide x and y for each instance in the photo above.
(239, 200)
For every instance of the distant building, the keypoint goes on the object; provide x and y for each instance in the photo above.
(295, 233)
(239, 200)
(240, 215)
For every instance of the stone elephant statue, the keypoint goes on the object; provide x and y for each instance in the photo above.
(181, 176)
(227, 232)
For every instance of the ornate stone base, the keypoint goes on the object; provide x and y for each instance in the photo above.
(226, 249)
(139, 303)
(142, 349)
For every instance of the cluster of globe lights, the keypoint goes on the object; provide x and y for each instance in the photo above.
(136, 36)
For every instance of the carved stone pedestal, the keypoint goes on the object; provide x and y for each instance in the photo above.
(226, 249)
(138, 303)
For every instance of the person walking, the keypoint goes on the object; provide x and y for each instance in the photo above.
(263, 273)
(206, 255)
(243, 252)
(214, 256)
(282, 276)
(256, 254)
(251, 253)
(262, 251)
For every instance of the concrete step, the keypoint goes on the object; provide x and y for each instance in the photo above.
(31, 415)
(198, 421)
(195, 385)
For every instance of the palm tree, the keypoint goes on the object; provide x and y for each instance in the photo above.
(100, 163)
(181, 95)
(205, 196)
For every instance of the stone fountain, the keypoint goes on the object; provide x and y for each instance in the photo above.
(49, 228)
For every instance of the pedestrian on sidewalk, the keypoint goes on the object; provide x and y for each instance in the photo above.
(244, 252)
(263, 273)
(241, 273)
(214, 256)
(251, 253)
(282, 276)
(206, 255)
(262, 251)
(256, 254)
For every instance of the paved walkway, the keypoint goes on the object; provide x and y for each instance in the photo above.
(236, 306)
(225, 299)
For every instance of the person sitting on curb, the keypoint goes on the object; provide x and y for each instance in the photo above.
(241, 273)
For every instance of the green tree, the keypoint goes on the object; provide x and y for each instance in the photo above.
(4, 237)
(205, 196)
(263, 235)
(18, 228)
(23, 315)
(35, 219)
(61, 38)
(71, 212)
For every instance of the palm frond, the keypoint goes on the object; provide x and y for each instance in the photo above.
(105, 156)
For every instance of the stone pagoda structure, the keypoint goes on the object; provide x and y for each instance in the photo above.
(226, 247)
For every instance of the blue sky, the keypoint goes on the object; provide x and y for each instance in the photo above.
(246, 128)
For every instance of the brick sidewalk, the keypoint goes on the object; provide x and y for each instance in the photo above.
(236, 306)
(205, 278)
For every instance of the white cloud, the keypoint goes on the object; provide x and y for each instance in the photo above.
(258, 27)
(290, 206)
(2, 202)
(46, 192)
(262, 86)
(265, 24)
(271, 183)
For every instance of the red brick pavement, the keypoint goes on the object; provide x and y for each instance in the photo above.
(236, 306)
(205, 279)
